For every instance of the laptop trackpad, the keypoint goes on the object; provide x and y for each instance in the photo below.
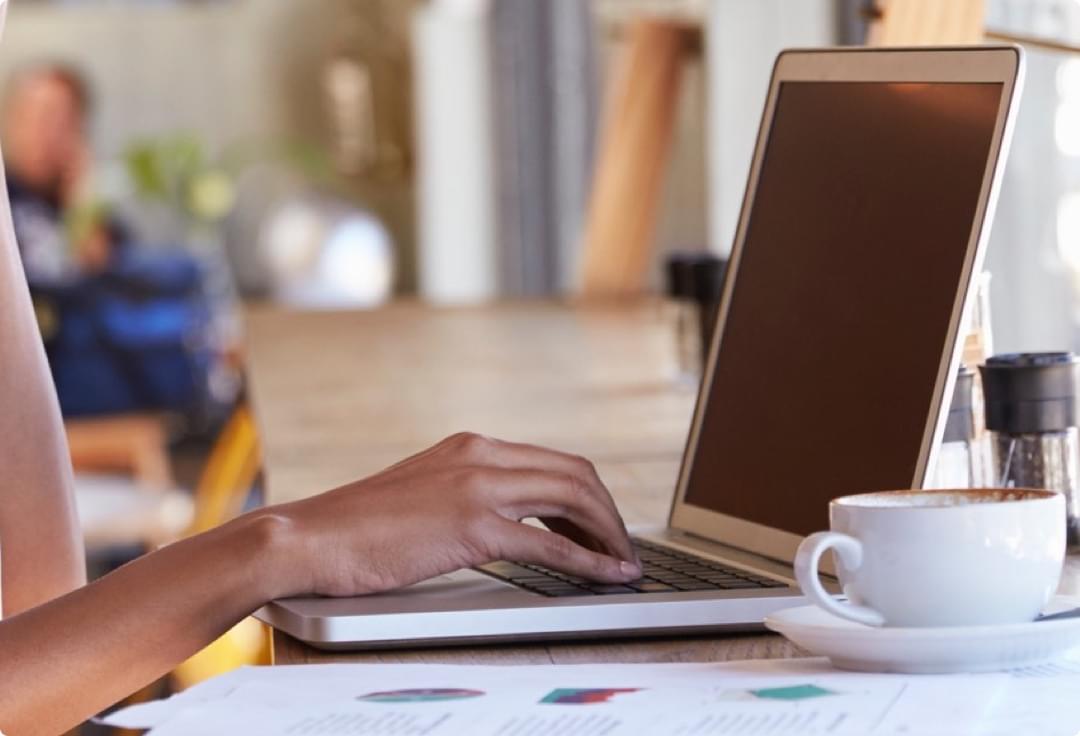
(456, 584)
(456, 591)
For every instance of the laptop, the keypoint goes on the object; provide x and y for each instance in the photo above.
(838, 338)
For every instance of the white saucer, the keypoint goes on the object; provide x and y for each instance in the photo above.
(853, 646)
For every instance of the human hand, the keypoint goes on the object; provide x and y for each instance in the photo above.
(75, 165)
(93, 249)
(455, 505)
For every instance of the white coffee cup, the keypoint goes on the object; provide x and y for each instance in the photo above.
(939, 558)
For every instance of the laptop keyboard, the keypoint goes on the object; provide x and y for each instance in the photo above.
(665, 570)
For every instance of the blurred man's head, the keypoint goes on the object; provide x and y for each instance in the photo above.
(44, 117)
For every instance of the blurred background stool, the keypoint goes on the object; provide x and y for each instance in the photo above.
(132, 445)
(123, 484)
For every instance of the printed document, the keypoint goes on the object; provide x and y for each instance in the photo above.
(765, 698)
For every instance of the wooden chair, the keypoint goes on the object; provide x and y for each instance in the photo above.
(634, 147)
(927, 22)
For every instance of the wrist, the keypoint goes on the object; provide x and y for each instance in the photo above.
(269, 548)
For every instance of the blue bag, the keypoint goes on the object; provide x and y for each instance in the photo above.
(134, 338)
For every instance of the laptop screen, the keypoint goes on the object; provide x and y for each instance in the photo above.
(842, 301)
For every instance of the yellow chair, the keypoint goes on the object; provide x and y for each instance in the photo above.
(230, 470)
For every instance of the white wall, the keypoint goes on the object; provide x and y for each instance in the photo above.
(155, 69)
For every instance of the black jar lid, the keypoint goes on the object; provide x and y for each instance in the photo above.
(1031, 392)
(960, 424)
(695, 275)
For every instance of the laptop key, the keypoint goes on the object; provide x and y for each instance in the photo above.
(610, 589)
(654, 570)
(553, 585)
(651, 586)
(721, 578)
(768, 582)
(564, 592)
(686, 566)
(672, 579)
(575, 580)
(697, 585)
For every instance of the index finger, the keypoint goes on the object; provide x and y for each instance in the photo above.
(522, 543)
(517, 455)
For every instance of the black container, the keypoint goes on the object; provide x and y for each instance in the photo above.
(1031, 411)
(694, 281)
(1031, 392)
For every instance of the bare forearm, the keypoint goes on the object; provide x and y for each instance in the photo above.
(39, 536)
(40, 541)
(69, 659)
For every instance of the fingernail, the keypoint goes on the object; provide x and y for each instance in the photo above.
(630, 570)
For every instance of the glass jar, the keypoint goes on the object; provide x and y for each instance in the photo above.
(1031, 411)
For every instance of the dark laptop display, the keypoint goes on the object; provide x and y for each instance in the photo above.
(860, 225)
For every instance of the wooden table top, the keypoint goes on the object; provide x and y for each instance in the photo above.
(341, 395)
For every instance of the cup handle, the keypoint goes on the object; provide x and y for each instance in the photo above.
(807, 560)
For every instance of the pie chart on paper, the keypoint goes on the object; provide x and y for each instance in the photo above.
(421, 695)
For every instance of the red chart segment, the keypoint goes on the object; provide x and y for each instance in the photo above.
(585, 695)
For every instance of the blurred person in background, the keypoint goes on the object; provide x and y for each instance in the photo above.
(48, 163)
(124, 325)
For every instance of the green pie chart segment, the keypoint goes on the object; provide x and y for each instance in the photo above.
(420, 695)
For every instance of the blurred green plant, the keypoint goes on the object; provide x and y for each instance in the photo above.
(177, 171)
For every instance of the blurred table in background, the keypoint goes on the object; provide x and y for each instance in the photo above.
(339, 396)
